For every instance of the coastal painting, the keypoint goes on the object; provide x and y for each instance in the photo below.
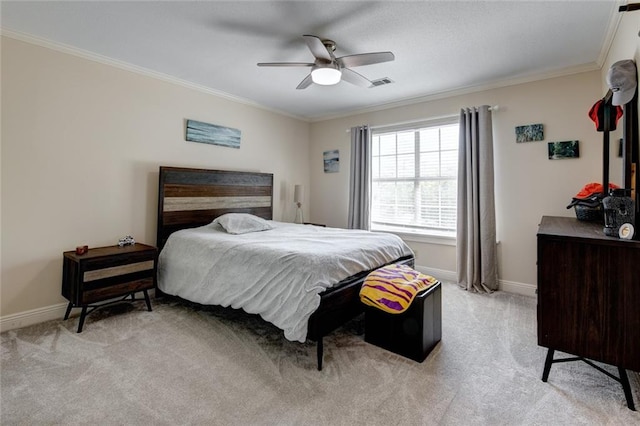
(331, 161)
(198, 131)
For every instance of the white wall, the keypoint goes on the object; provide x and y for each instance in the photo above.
(528, 185)
(626, 44)
(81, 146)
(81, 143)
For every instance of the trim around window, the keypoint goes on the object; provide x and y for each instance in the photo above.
(414, 173)
(445, 238)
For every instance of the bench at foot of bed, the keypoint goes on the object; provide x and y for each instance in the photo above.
(413, 333)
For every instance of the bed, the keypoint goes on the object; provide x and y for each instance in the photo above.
(189, 200)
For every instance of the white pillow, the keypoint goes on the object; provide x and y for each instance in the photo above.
(242, 223)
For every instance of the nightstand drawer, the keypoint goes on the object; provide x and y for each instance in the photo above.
(115, 276)
(115, 280)
(114, 271)
(111, 291)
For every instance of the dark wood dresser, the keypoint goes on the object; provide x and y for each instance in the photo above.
(588, 296)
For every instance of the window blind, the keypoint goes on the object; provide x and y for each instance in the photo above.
(414, 178)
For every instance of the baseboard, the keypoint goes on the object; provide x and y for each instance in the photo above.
(529, 290)
(48, 313)
(34, 316)
(507, 286)
(440, 274)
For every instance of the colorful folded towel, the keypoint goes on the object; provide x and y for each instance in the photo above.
(392, 288)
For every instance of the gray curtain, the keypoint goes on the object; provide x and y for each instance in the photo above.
(476, 225)
(359, 178)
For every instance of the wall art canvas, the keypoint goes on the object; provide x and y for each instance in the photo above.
(198, 131)
(331, 161)
(529, 133)
(565, 149)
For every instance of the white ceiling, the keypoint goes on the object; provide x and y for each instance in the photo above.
(440, 46)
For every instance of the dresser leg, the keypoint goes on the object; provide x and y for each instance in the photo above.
(147, 300)
(624, 379)
(547, 365)
(83, 315)
(66, 314)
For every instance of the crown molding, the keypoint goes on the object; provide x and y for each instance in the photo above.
(467, 90)
(614, 22)
(612, 29)
(60, 47)
(91, 56)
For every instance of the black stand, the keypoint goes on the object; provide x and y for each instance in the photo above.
(623, 379)
(320, 352)
(87, 309)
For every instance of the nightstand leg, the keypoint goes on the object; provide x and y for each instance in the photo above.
(320, 351)
(66, 314)
(146, 299)
(83, 315)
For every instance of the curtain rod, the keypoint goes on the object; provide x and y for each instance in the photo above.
(402, 123)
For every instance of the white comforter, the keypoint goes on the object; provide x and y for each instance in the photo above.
(277, 273)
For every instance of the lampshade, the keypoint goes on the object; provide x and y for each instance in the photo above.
(326, 75)
(298, 194)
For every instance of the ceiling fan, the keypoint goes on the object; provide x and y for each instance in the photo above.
(327, 69)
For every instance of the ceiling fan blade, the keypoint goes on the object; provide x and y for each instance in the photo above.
(355, 78)
(285, 64)
(361, 59)
(317, 48)
(305, 83)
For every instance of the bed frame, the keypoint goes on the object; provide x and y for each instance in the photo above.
(189, 198)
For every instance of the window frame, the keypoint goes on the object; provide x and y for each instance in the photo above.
(424, 235)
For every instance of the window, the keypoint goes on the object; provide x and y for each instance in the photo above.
(414, 179)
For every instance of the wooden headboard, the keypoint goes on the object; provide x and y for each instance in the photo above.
(188, 198)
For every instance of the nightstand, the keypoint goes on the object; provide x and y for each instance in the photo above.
(106, 273)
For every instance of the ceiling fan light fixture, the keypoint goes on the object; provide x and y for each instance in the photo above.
(326, 75)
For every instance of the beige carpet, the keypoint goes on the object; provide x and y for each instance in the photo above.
(182, 365)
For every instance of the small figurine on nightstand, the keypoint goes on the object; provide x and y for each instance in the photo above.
(80, 250)
(126, 241)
